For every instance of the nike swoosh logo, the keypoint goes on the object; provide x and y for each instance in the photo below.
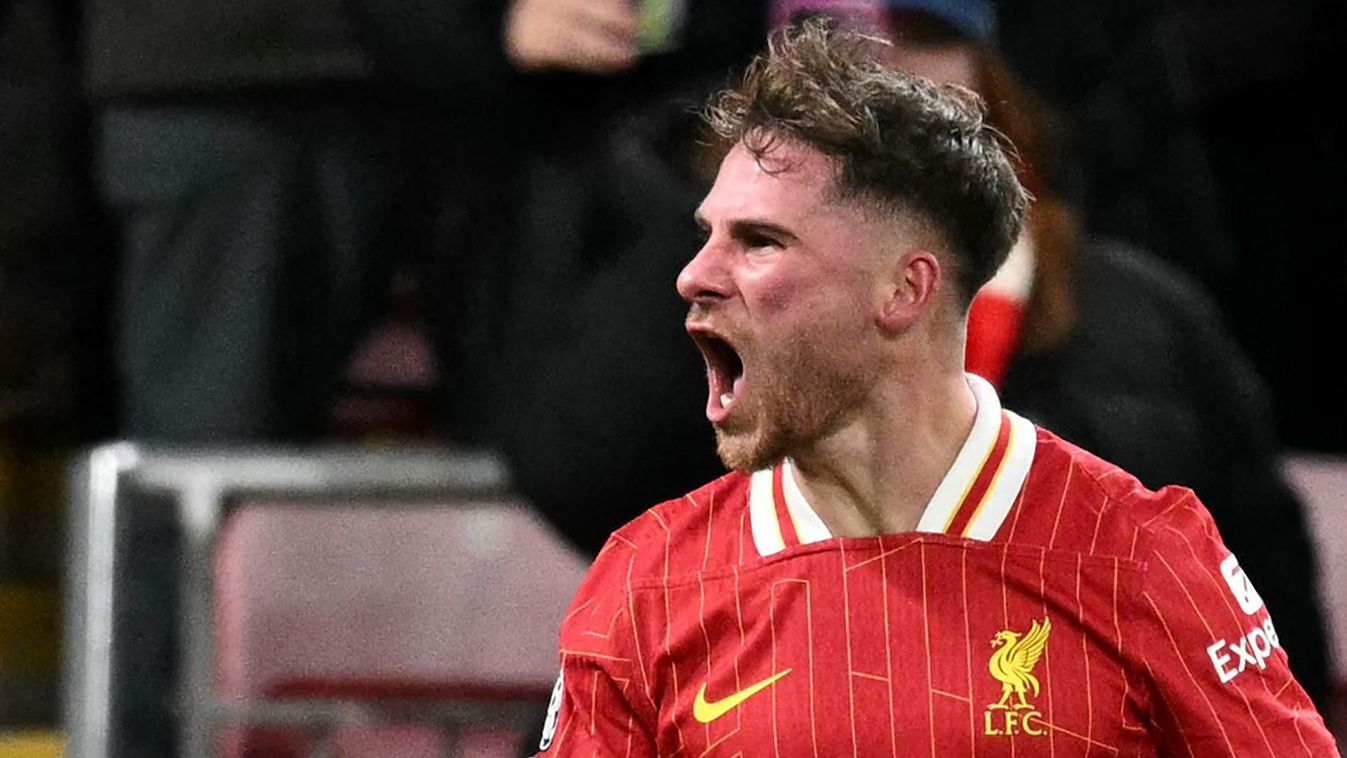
(707, 712)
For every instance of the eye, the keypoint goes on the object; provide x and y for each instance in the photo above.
(755, 240)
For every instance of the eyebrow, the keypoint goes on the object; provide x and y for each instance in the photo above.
(747, 226)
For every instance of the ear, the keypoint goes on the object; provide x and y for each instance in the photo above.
(911, 290)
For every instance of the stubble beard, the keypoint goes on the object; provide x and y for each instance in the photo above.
(800, 397)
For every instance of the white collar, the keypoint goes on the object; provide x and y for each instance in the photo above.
(972, 501)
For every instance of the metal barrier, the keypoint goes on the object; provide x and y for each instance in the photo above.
(202, 484)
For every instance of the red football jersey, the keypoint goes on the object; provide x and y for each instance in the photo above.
(1048, 604)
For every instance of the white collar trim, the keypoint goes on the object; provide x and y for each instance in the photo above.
(951, 500)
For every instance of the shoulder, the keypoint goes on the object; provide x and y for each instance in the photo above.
(1168, 534)
(1079, 502)
(672, 539)
(700, 530)
(704, 528)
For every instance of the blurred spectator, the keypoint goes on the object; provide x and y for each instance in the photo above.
(1114, 345)
(52, 259)
(267, 165)
(601, 390)
(267, 169)
(1212, 142)
(53, 378)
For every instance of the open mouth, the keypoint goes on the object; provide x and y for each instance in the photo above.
(724, 374)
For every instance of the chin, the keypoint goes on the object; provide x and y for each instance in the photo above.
(746, 452)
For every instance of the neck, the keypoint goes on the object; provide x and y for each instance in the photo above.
(876, 473)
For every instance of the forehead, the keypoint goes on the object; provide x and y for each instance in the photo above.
(787, 183)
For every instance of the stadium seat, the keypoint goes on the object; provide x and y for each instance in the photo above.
(390, 618)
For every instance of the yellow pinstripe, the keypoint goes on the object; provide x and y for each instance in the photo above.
(967, 656)
(1212, 634)
(888, 651)
(1070, 471)
(846, 625)
(1098, 522)
(1150, 673)
(1220, 586)
(1047, 652)
(926, 640)
(1085, 655)
(1216, 716)
(951, 695)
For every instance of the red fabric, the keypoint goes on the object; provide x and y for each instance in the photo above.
(993, 331)
(889, 641)
(784, 520)
(987, 474)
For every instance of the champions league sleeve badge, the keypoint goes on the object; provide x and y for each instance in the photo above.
(553, 713)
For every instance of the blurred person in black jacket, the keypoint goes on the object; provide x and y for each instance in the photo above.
(1110, 344)
(601, 138)
(601, 394)
(52, 270)
(1211, 143)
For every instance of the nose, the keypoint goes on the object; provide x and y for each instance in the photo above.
(705, 279)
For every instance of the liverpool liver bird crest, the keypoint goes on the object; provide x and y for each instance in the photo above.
(1013, 662)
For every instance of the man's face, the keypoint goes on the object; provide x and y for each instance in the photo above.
(783, 301)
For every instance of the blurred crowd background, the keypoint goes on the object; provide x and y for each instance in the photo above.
(459, 221)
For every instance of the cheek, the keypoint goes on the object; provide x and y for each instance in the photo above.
(775, 291)
(776, 296)
(777, 303)
(825, 303)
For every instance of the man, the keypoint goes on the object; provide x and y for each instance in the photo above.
(897, 565)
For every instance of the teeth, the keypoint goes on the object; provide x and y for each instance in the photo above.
(726, 398)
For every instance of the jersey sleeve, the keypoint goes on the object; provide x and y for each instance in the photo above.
(600, 705)
(1219, 682)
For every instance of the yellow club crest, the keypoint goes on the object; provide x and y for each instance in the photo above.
(1012, 664)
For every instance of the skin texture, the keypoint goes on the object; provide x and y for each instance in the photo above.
(779, 278)
(850, 338)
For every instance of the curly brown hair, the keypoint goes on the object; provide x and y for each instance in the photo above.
(902, 144)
